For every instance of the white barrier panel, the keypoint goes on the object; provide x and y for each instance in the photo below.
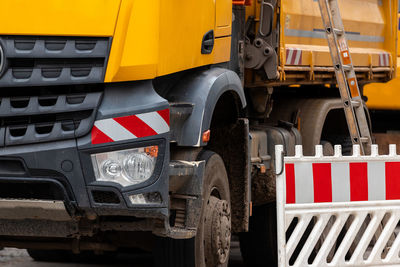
(338, 210)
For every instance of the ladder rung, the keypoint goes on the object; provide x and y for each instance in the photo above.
(355, 103)
(347, 67)
(364, 140)
(338, 31)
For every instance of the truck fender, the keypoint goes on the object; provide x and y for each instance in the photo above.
(202, 89)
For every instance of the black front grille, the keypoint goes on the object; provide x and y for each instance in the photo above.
(43, 189)
(34, 115)
(41, 60)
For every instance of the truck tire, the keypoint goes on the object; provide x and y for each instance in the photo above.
(259, 245)
(210, 247)
(344, 141)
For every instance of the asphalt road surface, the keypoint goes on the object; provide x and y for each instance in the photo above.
(10, 257)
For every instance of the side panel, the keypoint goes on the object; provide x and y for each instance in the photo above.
(385, 95)
(155, 38)
(223, 23)
(182, 27)
(369, 24)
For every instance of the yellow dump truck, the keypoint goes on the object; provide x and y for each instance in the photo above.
(153, 124)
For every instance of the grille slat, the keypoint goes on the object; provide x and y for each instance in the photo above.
(34, 61)
(35, 119)
(34, 107)
(53, 47)
(33, 77)
(32, 136)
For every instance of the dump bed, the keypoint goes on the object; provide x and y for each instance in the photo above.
(385, 96)
(303, 53)
(370, 29)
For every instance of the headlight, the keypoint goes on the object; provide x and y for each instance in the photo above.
(125, 167)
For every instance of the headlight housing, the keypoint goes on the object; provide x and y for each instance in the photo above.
(125, 167)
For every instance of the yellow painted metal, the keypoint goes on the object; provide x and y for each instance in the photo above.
(156, 37)
(150, 37)
(223, 17)
(369, 25)
(57, 17)
(385, 96)
(134, 51)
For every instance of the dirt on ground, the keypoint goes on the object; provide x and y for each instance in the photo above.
(11, 257)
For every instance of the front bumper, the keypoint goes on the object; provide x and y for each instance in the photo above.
(62, 170)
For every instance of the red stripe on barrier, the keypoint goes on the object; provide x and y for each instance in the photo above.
(359, 181)
(392, 170)
(290, 184)
(164, 114)
(136, 126)
(322, 175)
(98, 137)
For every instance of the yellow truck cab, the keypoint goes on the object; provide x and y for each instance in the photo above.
(153, 124)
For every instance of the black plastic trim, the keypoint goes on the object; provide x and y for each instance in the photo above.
(53, 60)
(207, 44)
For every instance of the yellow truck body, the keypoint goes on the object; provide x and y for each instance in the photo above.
(303, 52)
(150, 39)
(385, 96)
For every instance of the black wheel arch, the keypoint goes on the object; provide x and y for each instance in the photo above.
(205, 89)
(219, 103)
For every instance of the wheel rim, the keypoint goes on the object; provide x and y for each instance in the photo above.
(217, 231)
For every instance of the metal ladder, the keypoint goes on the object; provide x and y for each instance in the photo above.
(345, 75)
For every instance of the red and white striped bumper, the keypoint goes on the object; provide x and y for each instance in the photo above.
(130, 127)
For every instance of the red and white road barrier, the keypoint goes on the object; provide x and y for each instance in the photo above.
(338, 210)
(338, 181)
(130, 127)
(294, 56)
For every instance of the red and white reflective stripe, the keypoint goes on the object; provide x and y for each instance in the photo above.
(294, 56)
(384, 59)
(130, 127)
(341, 181)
